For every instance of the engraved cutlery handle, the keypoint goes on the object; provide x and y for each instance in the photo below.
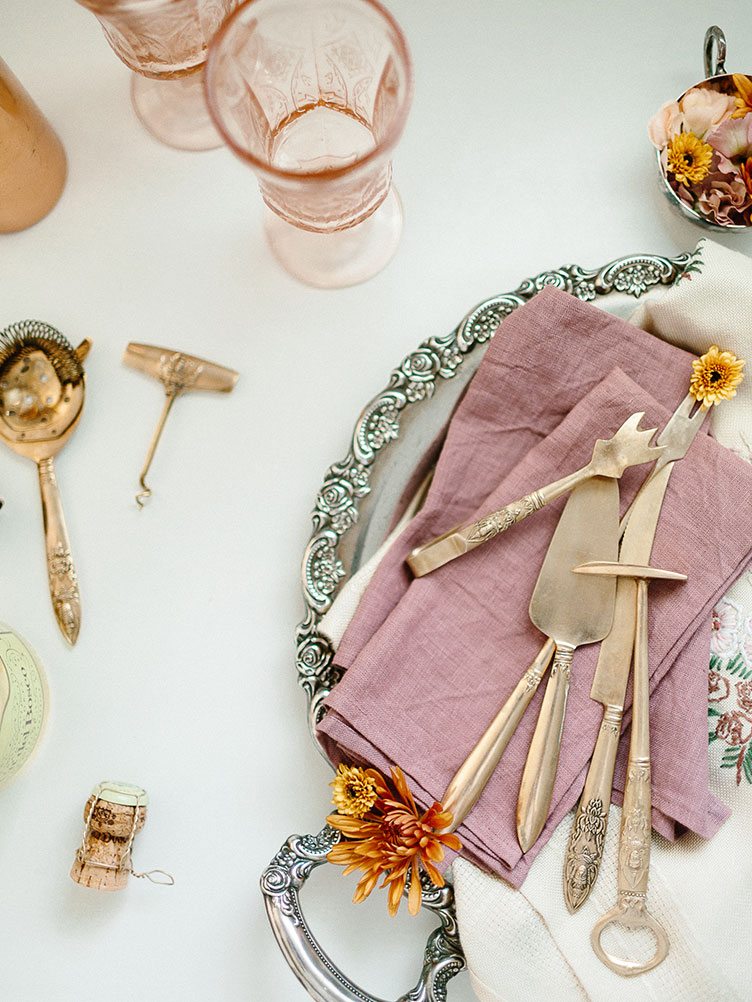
(636, 822)
(64, 593)
(539, 774)
(462, 538)
(585, 849)
(472, 776)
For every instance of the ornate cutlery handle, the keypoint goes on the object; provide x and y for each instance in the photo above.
(636, 821)
(585, 849)
(471, 778)
(539, 774)
(66, 600)
(463, 538)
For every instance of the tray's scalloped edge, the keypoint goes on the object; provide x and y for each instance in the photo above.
(378, 426)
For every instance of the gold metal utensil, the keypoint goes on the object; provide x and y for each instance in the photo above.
(585, 847)
(628, 447)
(41, 398)
(178, 373)
(588, 524)
(571, 617)
(472, 777)
(636, 824)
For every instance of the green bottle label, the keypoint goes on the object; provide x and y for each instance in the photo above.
(24, 710)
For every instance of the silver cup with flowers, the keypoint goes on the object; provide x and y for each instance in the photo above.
(703, 144)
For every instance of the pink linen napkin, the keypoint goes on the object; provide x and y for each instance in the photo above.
(425, 676)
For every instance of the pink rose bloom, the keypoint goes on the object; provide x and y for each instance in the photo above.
(733, 138)
(703, 109)
(724, 628)
(719, 687)
(724, 199)
(735, 728)
(664, 124)
(744, 695)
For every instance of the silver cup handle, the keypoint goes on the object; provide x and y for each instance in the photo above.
(323, 980)
(715, 51)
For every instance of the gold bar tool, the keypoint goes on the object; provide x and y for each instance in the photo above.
(42, 387)
(589, 525)
(628, 447)
(636, 823)
(571, 618)
(585, 847)
(178, 373)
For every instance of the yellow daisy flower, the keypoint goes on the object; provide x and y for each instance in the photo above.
(744, 95)
(688, 158)
(356, 790)
(715, 376)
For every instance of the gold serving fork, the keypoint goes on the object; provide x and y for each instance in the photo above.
(611, 457)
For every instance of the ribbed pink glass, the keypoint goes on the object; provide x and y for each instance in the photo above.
(314, 95)
(165, 43)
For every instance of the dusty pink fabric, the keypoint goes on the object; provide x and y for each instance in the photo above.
(429, 661)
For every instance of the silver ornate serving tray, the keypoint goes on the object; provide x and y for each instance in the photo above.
(354, 510)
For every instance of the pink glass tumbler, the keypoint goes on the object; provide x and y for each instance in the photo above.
(165, 43)
(313, 95)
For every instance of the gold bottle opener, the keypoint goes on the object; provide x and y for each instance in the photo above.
(178, 373)
(636, 822)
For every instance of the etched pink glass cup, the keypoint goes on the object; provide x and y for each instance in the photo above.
(165, 43)
(314, 95)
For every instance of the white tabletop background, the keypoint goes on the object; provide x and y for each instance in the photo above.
(525, 149)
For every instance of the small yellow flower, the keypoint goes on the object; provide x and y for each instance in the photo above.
(688, 158)
(744, 95)
(356, 790)
(715, 376)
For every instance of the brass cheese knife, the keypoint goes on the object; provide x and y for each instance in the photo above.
(571, 614)
(585, 848)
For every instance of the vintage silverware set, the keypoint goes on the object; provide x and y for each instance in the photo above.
(592, 587)
(42, 389)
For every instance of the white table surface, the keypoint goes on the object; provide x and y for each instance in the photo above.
(525, 149)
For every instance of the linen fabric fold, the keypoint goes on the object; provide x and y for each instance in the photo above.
(429, 661)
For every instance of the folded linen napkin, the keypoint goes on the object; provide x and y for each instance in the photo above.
(420, 690)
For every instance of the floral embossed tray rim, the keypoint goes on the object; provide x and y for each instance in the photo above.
(436, 360)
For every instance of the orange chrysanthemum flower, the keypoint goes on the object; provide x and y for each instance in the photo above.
(394, 841)
(745, 171)
(715, 376)
(743, 95)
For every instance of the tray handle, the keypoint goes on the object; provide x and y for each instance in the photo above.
(323, 980)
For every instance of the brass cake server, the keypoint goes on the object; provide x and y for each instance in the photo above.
(636, 820)
(571, 616)
(585, 848)
(627, 447)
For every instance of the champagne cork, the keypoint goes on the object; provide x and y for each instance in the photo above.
(114, 814)
(23, 703)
